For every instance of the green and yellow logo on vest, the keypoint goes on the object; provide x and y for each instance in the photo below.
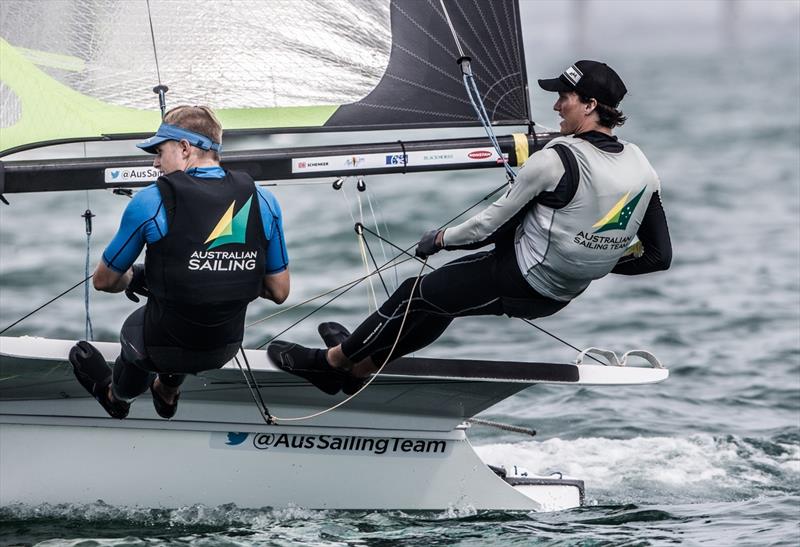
(619, 215)
(230, 228)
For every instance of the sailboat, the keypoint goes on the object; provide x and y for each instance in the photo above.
(82, 72)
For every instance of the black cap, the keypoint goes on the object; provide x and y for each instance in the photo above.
(590, 78)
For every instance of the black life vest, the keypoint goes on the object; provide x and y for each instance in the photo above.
(214, 249)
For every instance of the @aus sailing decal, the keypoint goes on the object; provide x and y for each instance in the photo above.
(121, 175)
(330, 444)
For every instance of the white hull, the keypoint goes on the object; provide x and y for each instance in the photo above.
(174, 468)
(399, 445)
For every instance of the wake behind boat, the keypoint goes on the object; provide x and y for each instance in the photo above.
(401, 444)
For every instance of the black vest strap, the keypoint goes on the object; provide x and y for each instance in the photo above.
(167, 199)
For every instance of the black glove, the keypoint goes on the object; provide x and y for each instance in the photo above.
(138, 284)
(427, 244)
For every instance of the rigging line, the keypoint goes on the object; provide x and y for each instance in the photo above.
(365, 261)
(402, 251)
(504, 427)
(377, 372)
(312, 312)
(385, 266)
(377, 229)
(388, 235)
(294, 183)
(255, 393)
(153, 39)
(309, 314)
(452, 29)
(87, 217)
(480, 110)
(375, 263)
(75, 286)
(371, 289)
(555, 337)
(551, 335)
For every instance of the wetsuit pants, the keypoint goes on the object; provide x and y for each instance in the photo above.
(137, 364)
(486, 283)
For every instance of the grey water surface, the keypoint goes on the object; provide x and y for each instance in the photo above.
(711, 457)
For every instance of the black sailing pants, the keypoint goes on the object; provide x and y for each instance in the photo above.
(487, 283)
(138, 364)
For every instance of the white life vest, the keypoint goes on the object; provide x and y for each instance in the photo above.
(560, 251)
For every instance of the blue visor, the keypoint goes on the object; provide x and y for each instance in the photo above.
(167, 132)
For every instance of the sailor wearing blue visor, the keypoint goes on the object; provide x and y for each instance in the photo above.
(167, 132)
(214, 242)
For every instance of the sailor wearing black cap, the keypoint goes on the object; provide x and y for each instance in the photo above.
(570, 217)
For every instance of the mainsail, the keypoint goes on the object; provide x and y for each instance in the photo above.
(83, 70)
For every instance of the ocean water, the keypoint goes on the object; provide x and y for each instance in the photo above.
(710, 457)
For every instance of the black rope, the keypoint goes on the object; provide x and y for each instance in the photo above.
(347, 287)
(160, 89)
(545, 331)
(21, 319)
(405, 156)
(88, 221)
(375, 263)
(312, 312)
(255, 393)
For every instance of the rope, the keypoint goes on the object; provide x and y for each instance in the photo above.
(160, 89)
(153, 40)
(375, 263)
(21, 319)
(87, 216)
(378, 229)
(356, 281)
(254, 392)
(474, 95)
(376, 373)
(504, 427)
(529, 322)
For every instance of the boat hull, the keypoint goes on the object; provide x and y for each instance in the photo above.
(315, 468)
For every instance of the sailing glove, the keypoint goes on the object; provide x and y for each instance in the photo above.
(138, 284)
(427, 244)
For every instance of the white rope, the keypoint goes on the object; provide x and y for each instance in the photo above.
(380, 237)
(372, 304)
(377, 372)
(395, 262)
